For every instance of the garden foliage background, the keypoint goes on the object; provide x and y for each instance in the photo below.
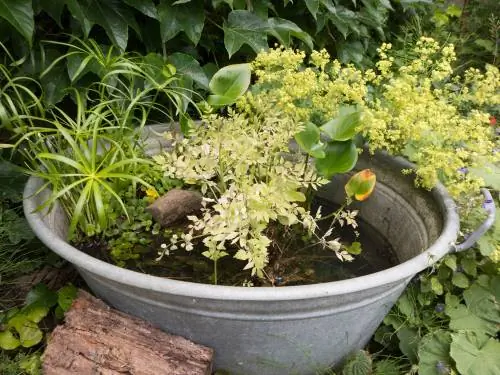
(447, 315)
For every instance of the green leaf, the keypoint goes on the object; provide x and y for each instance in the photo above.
(29, 333)
(351, 52)
(19, 13)
(436, 286)
(462, 318)
(189, 66)
(340, 157)
(146, 7)
(229, 82)
(55, 84)
(284, 30)
(114, 18)
(78, 65)
(433, 353)
(244, 27)
(42, 295)
(354, 248)
(488, 45)
(473, 357)
(77, 9)
(8, 341)
(451, 262)
(312, 6)
(31, 364)
(409, 340)
(489, 172)
(454, 10)
(386, 4)
(189, 17)
(309, 141)
(12, 180)
(66, 295)
(469, 266)
(53, 8)
(482, 301)
(219, 100)
(344, 126)
(460, 279)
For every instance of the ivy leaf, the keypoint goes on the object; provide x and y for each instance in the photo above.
(53, 8)
(351, 52)
(309, 141)
(433, 353)
(344, 126)
(114, 18)
(244, 27)
(8, 341)
(474, 357)
(312, 6)
(146, 7)
(229, 83)
(283, 30)
(19, 13)
(77, 10)
(188, 65)
(189, 17)
(340, 157)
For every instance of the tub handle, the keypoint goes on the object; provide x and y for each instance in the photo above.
(489, 207)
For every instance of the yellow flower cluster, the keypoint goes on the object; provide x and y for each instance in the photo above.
(419, 109)
(433, 118)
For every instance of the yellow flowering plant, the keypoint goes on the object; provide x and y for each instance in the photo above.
(257, 190)
(420, 109)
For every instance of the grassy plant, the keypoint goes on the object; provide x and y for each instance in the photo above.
(85, 157)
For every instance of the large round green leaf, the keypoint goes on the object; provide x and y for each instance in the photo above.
(231, 81)
(309, 141)
(8, 341)
(433, 353)
(340, 157)
(344, 126)
(473, 356)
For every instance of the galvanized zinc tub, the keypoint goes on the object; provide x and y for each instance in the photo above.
(285, 330)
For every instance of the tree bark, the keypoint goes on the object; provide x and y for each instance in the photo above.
(96, 339)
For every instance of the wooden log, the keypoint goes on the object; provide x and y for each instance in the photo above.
(96, 339)
(175, 205)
